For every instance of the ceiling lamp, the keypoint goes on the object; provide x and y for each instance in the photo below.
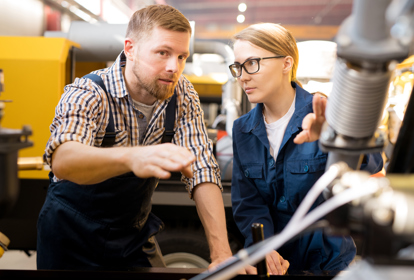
(242, 7)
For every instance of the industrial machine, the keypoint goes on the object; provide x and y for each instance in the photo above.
(370, 44)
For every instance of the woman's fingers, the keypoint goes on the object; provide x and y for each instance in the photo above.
(274, 265)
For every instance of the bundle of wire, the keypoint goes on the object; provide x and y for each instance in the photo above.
(300, 222)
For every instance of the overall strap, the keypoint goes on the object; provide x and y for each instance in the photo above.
(109, 137)
(169, 120)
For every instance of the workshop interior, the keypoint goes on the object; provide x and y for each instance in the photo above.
(359, 53)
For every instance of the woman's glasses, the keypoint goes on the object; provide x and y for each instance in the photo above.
(251, 65)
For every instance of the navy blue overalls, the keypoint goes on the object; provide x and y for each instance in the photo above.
(107, 226)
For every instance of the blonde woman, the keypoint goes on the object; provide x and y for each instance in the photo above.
(276, 154)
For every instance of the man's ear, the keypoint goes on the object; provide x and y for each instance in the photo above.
(287, 64)
(129, 47)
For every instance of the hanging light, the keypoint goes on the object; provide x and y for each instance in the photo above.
(242, 7)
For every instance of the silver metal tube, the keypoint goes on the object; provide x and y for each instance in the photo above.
(374, 29)
(357, 100)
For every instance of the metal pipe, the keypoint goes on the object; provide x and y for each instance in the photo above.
(30, 163)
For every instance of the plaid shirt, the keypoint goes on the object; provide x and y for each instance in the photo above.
(82, 115)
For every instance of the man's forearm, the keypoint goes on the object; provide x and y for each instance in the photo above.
(84, 164)
(210, 209)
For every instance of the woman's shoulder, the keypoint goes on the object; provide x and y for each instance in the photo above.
(244, 120)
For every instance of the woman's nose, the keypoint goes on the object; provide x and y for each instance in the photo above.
(244, 76)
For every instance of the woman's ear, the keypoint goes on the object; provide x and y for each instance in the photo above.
(287, 64)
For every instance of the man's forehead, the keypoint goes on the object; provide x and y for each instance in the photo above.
(169, 39)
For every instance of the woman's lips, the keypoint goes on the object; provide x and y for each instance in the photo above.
(248, 90)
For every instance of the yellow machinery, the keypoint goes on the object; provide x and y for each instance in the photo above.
(35, 71)
(206, 86)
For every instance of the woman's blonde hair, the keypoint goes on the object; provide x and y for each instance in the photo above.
(274, 38)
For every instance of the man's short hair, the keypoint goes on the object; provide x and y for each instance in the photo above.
(143, 21)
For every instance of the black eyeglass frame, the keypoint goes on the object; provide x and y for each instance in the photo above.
(258, 59)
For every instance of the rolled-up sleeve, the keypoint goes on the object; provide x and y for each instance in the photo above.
(75, 117)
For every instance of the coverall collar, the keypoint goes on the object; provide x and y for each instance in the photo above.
(254, 122)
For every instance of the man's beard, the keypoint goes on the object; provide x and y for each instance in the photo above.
(154, 88)
(161, 92)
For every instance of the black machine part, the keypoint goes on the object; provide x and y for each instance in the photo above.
(11, 140)
(402, 158)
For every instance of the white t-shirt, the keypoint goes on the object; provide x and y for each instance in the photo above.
(276, 130)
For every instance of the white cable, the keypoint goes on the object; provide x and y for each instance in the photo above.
(296, 227)
(338, 200)
(319, 212)
(292, 226)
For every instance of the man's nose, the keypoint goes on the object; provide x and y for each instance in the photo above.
(172, 65)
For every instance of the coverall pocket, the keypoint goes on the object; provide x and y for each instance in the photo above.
(254, 172)
(301, 176)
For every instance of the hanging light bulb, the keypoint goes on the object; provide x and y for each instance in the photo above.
(242, 7)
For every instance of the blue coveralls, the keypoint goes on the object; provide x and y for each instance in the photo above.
(269, 192)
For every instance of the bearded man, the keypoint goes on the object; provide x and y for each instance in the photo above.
(107, 152)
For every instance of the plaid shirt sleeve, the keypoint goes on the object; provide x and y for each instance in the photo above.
(192, 134)
(76, 118)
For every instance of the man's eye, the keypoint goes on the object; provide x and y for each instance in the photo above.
(162, 53)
